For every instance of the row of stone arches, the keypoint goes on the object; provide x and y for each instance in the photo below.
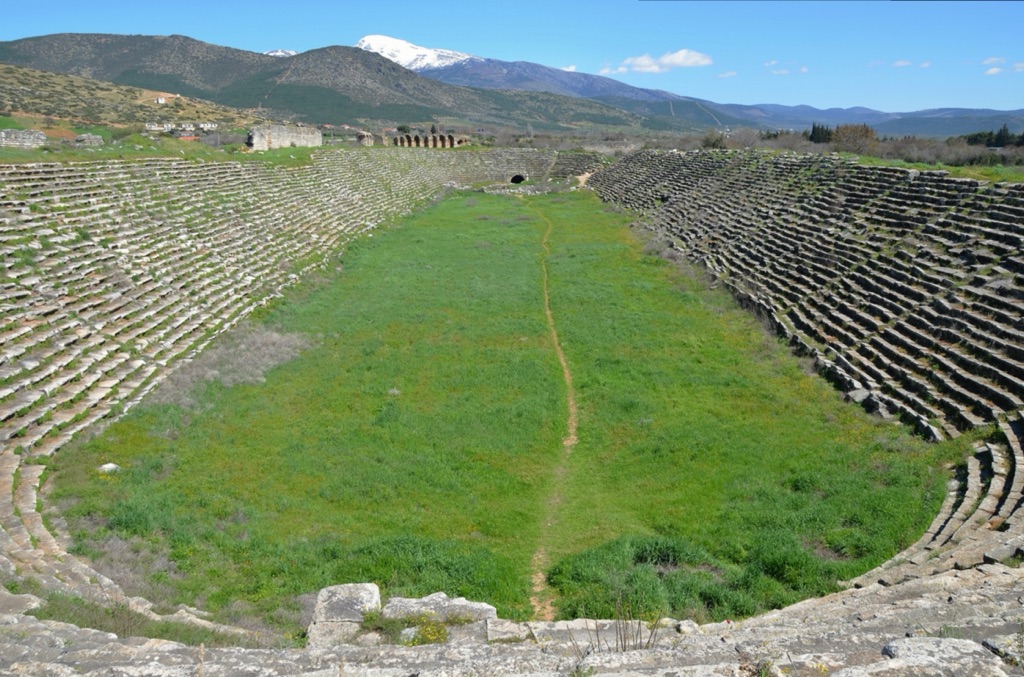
(432, 141)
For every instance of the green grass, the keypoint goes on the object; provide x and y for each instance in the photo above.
(8, 122)
(417, 442)
(698, 427)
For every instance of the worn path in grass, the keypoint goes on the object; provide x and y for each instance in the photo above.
(541, 597)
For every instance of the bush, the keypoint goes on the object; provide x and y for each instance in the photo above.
(653, 576)
(854, 139)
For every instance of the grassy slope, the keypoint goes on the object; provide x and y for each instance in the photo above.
(27, 90)
(694, 426)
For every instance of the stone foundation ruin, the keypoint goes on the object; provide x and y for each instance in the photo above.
(269, 137)
(905, 287)
(22, 138)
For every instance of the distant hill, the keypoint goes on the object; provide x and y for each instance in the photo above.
(40, 93)
(936, 122)
(951, 122)
(328, 85)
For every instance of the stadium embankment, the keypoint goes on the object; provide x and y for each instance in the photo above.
(904, 286)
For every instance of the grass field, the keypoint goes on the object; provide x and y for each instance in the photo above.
(416, 441)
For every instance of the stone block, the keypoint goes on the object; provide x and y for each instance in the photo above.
(338, 614)
(501, 630)
(346, 602)
(440, 606)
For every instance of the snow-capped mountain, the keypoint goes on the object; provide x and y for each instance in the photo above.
(459, 68)
(281, 52)
(411, 56)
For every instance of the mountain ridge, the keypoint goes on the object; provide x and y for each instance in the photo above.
(332, 84)
(339, 84)
(524, 75)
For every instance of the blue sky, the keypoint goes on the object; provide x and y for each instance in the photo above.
(891, 56)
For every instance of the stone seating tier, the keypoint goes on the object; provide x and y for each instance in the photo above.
(794, 227)
(903, 285)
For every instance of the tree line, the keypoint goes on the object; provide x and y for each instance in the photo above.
(843, 133)
(1001, 139)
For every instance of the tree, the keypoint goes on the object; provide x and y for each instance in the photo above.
(713, 139)
(979, 139)
(854, 138)
(433, 129)
(404, 129)
(820, 133)
(1003, 137)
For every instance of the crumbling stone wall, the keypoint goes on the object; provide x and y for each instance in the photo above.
(88, 140)
(21, 138)
(575, 164)
(268, 137)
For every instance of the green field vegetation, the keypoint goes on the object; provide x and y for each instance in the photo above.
(416, 441)
(7, 122)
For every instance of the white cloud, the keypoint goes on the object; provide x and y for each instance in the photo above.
(727, 74)
(902, 63)
(926, 64)
(645, 63)
(993, 60)
(769, 64)
(1019, 66)
(993, 71)
(569, 69)
(805, 69)
(685, 58)
(875, 64)
(781, 71)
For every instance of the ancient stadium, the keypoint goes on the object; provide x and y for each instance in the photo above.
(904, 289)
